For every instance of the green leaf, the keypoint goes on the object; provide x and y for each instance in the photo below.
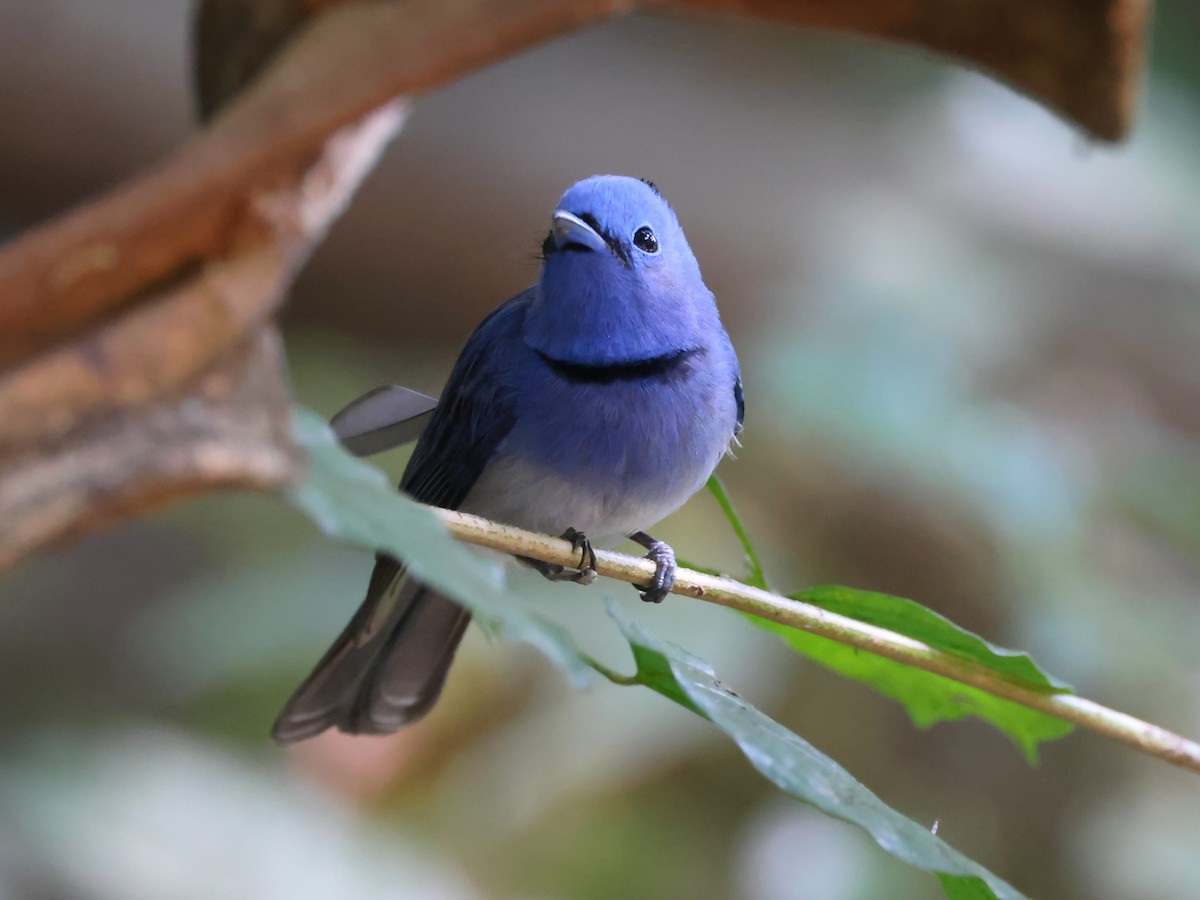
(350, 500)
(959, 887)
(928, 698)
(798, 768)
(916, 621)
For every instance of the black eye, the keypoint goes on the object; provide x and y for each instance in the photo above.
(644, 239)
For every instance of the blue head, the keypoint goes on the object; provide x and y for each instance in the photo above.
(619, 283)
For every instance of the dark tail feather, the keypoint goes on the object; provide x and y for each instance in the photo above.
(387, 667)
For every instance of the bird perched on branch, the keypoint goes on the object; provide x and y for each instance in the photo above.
(593, 404)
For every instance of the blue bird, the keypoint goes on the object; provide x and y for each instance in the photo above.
(593, 404)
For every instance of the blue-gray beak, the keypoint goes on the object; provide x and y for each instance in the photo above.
(571, 231)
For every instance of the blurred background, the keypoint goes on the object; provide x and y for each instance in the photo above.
(971, 354)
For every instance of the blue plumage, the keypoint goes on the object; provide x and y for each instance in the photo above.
(597, 401)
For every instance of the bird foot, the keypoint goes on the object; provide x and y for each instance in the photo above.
(586, 572)
(587, 556)
(664, 572)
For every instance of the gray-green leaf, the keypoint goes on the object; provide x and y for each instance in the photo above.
(797, 767)
(351, 501)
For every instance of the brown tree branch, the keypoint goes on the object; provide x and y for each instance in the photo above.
(183, 392)
(354, 58)
(231, 431)
(121, 310)
(1081, 58)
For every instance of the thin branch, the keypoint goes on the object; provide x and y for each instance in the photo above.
(1141, 735)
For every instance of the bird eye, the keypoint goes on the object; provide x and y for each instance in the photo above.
(644, 239)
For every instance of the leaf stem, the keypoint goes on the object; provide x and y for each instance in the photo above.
(611, 674)
(758, 575)
(1141, 735)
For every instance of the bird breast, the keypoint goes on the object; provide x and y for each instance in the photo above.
(608, 457)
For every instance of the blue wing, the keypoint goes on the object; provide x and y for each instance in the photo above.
(475, 413)
(387, 667)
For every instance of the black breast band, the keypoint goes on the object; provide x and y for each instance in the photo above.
(657, 368)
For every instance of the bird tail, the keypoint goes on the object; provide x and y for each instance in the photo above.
(387, 667)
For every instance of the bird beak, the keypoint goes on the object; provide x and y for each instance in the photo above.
(571, 231)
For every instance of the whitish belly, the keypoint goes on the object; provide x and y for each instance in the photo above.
(519, 494)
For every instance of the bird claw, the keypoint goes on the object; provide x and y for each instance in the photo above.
(664, 573)
(586, 572)
(587, 556)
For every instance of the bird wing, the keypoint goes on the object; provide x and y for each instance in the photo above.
(382, 419)
(388, 666)
(475, 413)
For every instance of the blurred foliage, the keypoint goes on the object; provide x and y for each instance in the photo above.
(970, 349)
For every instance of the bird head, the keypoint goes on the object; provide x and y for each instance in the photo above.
(619, 283)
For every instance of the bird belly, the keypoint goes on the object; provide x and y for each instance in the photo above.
(525, 494)
(607, 460)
